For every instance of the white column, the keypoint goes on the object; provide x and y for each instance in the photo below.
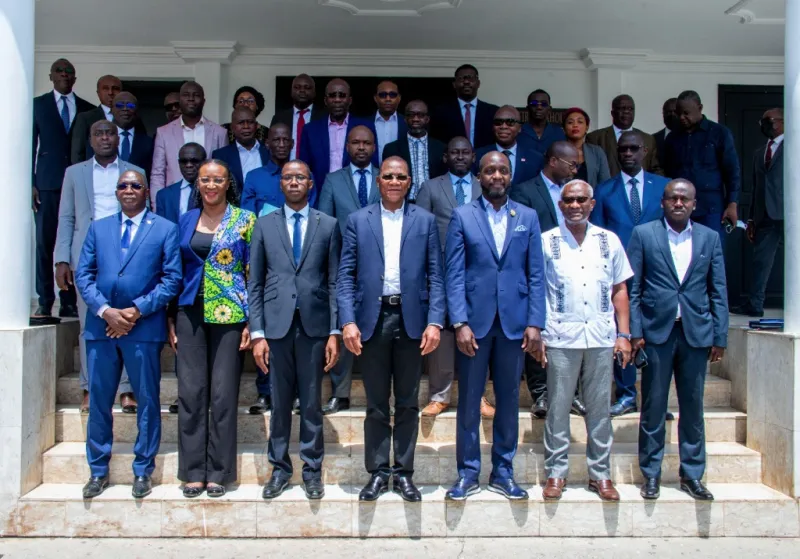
(208, 58)
(791, 168)
(209, 75)
(16, 104)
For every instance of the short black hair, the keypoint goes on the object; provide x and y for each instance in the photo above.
(260, 103)
(466, 67)
(622, 97)
(690, 95)
(194, 145)
(535, 91)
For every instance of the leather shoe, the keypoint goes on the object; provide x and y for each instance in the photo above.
(274, 487)
(462, 489)
(539, 408)
(604, 488)
(670, 416)
(623, 406)
(508, 488)
(487, 409)
(434, 408)
(651, 489)
(296, 406)
(42, 311)
(215, 490)
(85, 402)
(71, 311)
(695, 489)
(336, 405)
(192, 492)
(263, 404)
(375, 487)
(95, 486)
(142, 487)
(173, 407)
(403, 486)
(577, 407)
(314, 488)
(748, 310)
(554, 487)
(128, 402)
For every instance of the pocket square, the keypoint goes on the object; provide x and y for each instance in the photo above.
(520, 228)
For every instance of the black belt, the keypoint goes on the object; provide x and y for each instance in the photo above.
(391, 300)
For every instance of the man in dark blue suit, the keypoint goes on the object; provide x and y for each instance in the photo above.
(324, 138)
(178, 198)
(526, 162)
(466, 115)
(679, 314)
(391, 295)
(53, 116)
(246, 153)
(496, 303)
(631, 198)
(129, 270)
(135, 146)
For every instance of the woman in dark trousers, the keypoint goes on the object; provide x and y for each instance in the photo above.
(209, 332)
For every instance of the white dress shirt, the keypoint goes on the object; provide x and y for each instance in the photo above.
(618, 131)
(555, 196)
(137, 221)
(392, 224)
(72, 105)
(472, 109)
(387, 131)
(498, 221)
(354, 172)
(680, 246)
(578, 281)
(626, 179)
(249, 158)
(776, 143)
(196, 134)
(104, 184)
(107, 112)
(186, 191)
(512, 159)
(289, 213)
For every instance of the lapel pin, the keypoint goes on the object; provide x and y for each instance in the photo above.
(513, 213)
(522, 159)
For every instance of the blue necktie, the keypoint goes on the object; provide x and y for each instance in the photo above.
(461, 196)
(362, 188)
(636, 203)
(65, 113)
(125, 148)
(507, 153)
(125, 242)
(297, 238)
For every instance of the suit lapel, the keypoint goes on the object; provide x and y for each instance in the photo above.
(353, 187)
(545, 195)
(408, 223)
(483, 223)
(611, 141)
(663, 243)
(447, 189)
(650, 196)
(55, 113)
(311, 230)
(476, 189)
(622, 197)
(144, 228)
(116, 240)
(283, 233)
(236, 163)
(88, 181)
(374, 192)
(513, 219)
(374, 220)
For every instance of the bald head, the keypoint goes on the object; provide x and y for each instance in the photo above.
(772, 123)
(678, 203)
(132, 193)
(244, 126)
(104, 139)
(560, 162)
(361, 146)
(107, 88)
(507, 126)
(337, 99)
(280, 142)
(192, 100)
(495, 176)
(125, 110)
(394, 180)
(459, 156)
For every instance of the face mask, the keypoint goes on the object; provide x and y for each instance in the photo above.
(767, 128)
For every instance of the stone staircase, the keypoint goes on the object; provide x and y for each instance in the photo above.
(743, 506)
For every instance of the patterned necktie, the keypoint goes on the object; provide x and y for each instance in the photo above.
(297, 238)
(768, 154)
(301, 122)
(125, 241)
(461, 196)
(636, 203)
(507, 153)
(125, 147)
(65, 113)
(362, 188)
(468, 121)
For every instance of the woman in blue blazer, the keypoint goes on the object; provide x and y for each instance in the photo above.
(593, 163)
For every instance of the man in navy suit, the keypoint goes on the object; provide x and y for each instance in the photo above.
(496, 303)
(526, 162)
(262, 186)
(246, 153)
(679, 314)
(178, 198)
(322, 145)
(466, 115)
(135, 146)
(53, 116)
(631, 198)
(129, 270)
(391, 298)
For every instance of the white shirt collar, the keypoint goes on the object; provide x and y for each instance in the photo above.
(201, 122)
(107, 111)
(489, 207)
(777, 140)
(137, 219)
(96, 164)
(547, 182)
(121, 130)
(686, 231)
(185, 184)
(297, 111)
(355, 169)
(70, 96)
(639, 177)
(379, 118)
(618, 131)
(462, 103)
(255, 147)
(289, 212)
(392, 213)
(455, 178)
(512, 149)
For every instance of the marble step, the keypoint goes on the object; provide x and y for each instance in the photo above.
(435, 463)
(749, 509)
(721, 425)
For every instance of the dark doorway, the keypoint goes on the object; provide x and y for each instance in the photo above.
(740, 108)
(150, 95)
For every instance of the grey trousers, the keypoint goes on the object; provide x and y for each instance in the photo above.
(769, 238)
(124, 383)
(440, 367)
(564, 367)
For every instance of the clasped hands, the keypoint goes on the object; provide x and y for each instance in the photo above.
(119, 322)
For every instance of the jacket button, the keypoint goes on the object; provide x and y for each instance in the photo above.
(120, 274)
(294, 296)
(380, 299)
(381, 278)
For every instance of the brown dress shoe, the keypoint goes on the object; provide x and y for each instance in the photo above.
(128, 402)
(434, 408)
(487, 409)
(604, 488)
(554, 488)
(85, 402)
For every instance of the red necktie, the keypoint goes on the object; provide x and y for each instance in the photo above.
(468, 121)
(301, 122)
(768, 155)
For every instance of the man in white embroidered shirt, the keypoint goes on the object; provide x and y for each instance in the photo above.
(585, 273)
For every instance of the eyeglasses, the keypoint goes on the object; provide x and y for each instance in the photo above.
(298, 178)
(394, 177)
(506, 121)
(570, 164)
(572, 199)
(129, 106)
(632, 149)
(245, 101)
(133, 185)
(205, 181)
(337, 95)
(535, 103)
(388, 94)
(189, 160)
(63, 70)
(172, 106)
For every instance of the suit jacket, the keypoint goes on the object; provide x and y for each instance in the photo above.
(169, 140)
(230, 155)
(277, 286)
(447, 122)
(612, 210)
(76, 211)
(596, 164)
(657, 292)
(436, 195)
(401, 149)
(660, 137)
(315, 147)
(81, 147)
(767, 196)
(141, 152)
(526, 165)
(361, 268)
(534, 194)
(606, 139)
(149, 277)
(339, 196)
(168, 202)
(286, 116)
(482, 284)
(262, 186)
(51, 143)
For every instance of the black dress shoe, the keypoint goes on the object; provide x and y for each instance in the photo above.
(68, 311)
(173, 407)
(335, 405)
(314, 488)
(263, 404)
(296, 406)
(375, 487)
(42, 311)
(142, 487)
(695, 489)
(651, 489)
(215, 491)
(670, 416)
(192, 492)
(95, 486)
(623, 407)
(577, 407)
(403, 486)
(274, 487)
(748, 310)
(539, 409)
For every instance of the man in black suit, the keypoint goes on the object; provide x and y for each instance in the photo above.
(466, 115)
(246, 153)
(297, 248)
(426, 160)
(54, 114)
(669, 113)
(134, 146)
(526, 162)
(304, 90)
(108, 87)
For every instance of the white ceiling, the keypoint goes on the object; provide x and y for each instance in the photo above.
(664, 26)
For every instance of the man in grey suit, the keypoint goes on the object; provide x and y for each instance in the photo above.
(765, 223)
(679, 314)
(294, 259)
(89, 194)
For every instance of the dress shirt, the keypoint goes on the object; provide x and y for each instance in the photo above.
(186, 192)
(555, 196)
(776, 143)
(512, 159)
(467, 186)
(618, 131)
(498, 221)
(626, 179)
(579, 280)
(107, 111)
(196, 134)
(551, 133)
(418, 153)
(295, 118)
(72, 105)
(249, 158)
(472, 109)
(130, 138)
(387, 131)
(289, 213)
(137, 220)
(354, 172)
(104, 184)
(667, 131)
(337, 136)
(392, 225)
(680, 246)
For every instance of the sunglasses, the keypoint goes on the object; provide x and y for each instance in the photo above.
(538, 104)
(172, 106)
(129, 106)
(298, 178)
(632, 149)
(388, 94)
(337, 95)
(506, 121)
(133, 185)
(189, 160)
(63, 70)
(393, 177)
(572, 199)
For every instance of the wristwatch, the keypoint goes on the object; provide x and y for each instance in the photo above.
(458, 325)
(623, 335)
